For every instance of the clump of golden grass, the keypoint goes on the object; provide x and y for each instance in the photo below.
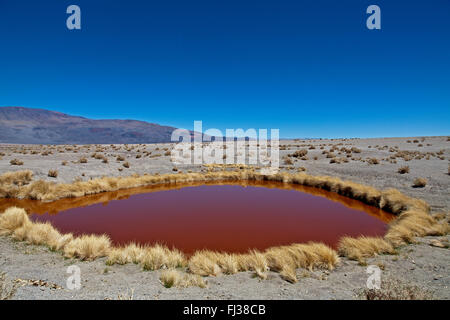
(132, 253)
(419, 183)
(288, 161)
(88, 247)
(16, 162)
(18, 178)
(174, 278)
(283, 259)
(160, 257)
(364, 247)
(12, 219)
(53, 173)
(403, 170)
(414, 223)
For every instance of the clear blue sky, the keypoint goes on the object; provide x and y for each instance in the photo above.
(309, 68)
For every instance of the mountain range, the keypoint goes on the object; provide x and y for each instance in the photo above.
(38, 126)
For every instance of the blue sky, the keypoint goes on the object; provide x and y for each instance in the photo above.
(309, 68)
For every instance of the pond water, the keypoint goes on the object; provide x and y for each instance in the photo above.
(232, 217)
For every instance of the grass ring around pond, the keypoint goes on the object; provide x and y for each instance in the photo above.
(412, 219)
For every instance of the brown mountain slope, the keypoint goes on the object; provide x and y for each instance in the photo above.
(26, 125)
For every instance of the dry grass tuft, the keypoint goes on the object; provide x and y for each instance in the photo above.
(403, 170)
(53, 173)
(88, 247)
(18, 178)
(414, 223)
(364, 247)
(12, 219)
(174, 278)
(419, 183)
(160, 257)
(16, 162)
(132, 253)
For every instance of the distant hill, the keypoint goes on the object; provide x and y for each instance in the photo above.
(39, 126)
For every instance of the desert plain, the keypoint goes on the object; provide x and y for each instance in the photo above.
(421, 266)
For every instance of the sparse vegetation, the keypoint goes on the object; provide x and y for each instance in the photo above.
(7, 289)
(16, 162)
(403, 170)
(392, 289)
(413, 220)
(300, 153)
(53, 173)
(174, 278)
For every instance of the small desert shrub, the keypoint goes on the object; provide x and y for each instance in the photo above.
(392, 289)
(167, 153)
(300, 153)
(120, 158)
(288, 161)
(53, 173)
(356, 150)
(174, 278)
(161, 257)
(373, 161)
(126, 164)
(16, 162)
(403, 170)
(64, 163)
(83, 160)
(419, 183)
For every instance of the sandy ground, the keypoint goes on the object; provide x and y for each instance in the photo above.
(418, 264)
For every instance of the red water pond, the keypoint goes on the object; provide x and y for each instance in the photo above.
(231, 217)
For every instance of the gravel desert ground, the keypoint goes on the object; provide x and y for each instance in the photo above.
(373, 162)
